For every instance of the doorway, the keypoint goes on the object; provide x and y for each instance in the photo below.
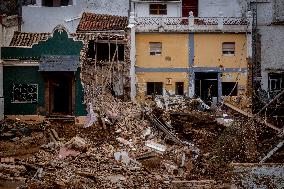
(206, 85)
(60, 93)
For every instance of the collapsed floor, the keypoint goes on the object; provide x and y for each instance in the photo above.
(133, 146)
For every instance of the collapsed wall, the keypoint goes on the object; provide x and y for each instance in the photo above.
(105, 81)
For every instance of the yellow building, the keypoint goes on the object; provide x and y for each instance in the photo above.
(162, 64)
(219, 64)
(202, 57)
(202, 65)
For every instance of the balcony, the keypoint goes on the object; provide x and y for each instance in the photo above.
(193, 24)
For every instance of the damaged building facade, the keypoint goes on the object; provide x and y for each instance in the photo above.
(42, 75)
(190, 55)
(48, 59)
(105, 56)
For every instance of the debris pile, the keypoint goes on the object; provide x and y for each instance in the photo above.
(132, 145)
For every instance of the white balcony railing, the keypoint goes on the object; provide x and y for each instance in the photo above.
(184, 24)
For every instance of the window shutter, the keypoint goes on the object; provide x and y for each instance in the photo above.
(228, 46)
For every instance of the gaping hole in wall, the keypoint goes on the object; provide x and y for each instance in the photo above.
(179, 88)
(206, 85)
(229, 89)
(105, 51)
(154, 88)
(56, 3)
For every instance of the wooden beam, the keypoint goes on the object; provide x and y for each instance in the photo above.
(247, 114)
(252, 117)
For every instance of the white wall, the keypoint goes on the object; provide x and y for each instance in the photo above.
(142, 10)
(272, 40)
(211, 8)
(113, 7)
(45, 19)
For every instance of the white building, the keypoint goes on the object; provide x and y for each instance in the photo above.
(156, 8)
(269, 45)
(45, 15)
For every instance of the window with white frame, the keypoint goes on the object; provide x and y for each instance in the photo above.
(158, 9)
(25, 93)
(228, 48)
(155, 48)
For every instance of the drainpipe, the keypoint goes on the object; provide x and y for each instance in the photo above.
(131, 25)
(1, 91)
(1, 75)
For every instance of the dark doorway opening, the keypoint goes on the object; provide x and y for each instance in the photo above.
(179, 88)
(60, 93)
(206, 85)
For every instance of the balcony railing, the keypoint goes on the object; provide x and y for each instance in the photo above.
(184, 24)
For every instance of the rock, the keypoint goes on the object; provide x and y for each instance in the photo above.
(64, 152)
(77, 143)
(115, 178)
(125, 142)
(12, 169)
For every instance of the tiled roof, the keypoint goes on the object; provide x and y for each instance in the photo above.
(23, 39)
(101, 22)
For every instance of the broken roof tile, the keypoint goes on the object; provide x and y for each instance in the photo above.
(101, 22)
(24, 39)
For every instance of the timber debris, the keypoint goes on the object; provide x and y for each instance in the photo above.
(160, 143)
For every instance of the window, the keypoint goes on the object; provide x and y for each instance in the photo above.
(101, 51)
(275, 82)
(228, 48)
(155, 48)
(154, 88)
(28, 2)
(158, 9)
(56, 3)
(179, 88)
(25, 93)
(229, 89)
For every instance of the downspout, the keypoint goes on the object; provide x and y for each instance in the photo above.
(1, 75)
(132, 56)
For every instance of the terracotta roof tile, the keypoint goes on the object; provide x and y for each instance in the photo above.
(101, 22)
(23, 39)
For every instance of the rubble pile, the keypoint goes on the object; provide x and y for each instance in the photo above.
(132, 145)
